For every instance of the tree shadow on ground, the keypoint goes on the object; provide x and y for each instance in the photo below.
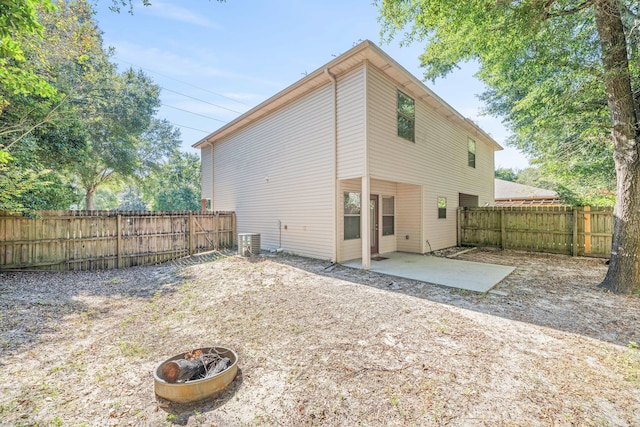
(555, 291)
(33, 302)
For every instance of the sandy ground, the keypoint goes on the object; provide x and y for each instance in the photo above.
(317, 347)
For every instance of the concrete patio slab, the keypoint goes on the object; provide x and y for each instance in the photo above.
(472, 276)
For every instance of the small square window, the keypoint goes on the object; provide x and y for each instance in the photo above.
(471, 150)
(442, 207)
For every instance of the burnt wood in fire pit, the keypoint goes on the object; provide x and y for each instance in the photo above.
(200, 387)
(193, 366)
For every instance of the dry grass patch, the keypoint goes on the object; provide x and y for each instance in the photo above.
(322, 348)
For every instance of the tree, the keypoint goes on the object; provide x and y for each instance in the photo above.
(506, 174)
(22, 188)
(91, 126)
(563, 73)
(49, 188)
(38, 131)
(176, 184)
(16, 20)
(127, 141)
(131, 199)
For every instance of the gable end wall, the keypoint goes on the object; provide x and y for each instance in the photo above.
(277, 175)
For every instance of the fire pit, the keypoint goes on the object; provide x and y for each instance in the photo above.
(192, 390)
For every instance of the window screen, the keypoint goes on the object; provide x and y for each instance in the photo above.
(352, 208)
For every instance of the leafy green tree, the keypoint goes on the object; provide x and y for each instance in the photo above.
(20, 188)
(506, 174)
(79, 124)
(592, 185)
(19, 18)
(38, 135)
(176, 185)
(131, 199)
(128, 141)
(107, 197)
(52, 189)
(565, 75)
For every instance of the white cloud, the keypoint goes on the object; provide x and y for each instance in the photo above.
(177, 13)
(182, 66)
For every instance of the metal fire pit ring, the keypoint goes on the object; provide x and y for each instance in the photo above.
(192, 391)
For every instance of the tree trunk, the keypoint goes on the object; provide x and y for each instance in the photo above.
(89, 198)
(181, 370)
(624, 269)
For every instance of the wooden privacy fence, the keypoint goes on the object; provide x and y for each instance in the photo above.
(91, 240)
(583, 231)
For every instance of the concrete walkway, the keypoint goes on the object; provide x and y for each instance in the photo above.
(472, 276)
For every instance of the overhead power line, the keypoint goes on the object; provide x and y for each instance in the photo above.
(195, 114)
(186, 83)
(200, 100)
(189, 127)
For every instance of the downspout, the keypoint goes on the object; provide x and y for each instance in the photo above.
(336, 190)
(365, 214)
(212, 179)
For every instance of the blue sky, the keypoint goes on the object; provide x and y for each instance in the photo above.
(216, 60)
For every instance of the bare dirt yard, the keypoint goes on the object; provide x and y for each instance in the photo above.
(317, 347)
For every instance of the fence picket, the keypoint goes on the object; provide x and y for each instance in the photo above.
(89, 240)
(552, 229)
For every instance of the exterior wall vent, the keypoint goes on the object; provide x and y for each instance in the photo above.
(248, 244)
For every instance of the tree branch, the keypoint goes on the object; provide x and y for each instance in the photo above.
(40, 123)
(564, 12)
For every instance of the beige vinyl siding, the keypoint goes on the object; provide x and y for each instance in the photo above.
(206, 173)
(409, 219)
(437, 160)
(280, 168)
(351, 122)
(439, 232)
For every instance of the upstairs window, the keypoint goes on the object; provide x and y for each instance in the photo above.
(388, 215)
(406, 117)
(471, 150)
(352, 207)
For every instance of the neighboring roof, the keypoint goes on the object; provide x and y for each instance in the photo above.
(507, 190)
(343, 63)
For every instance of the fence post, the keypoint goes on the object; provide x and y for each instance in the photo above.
(587, 229)
(191, 234)
(68, 251)
(574, 250)
(234, 233)
(119, 241)
(503, 230)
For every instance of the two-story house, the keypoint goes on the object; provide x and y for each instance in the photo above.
(357, 158)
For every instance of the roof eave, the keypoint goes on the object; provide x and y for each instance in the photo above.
(276, 100)
(320, 77)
